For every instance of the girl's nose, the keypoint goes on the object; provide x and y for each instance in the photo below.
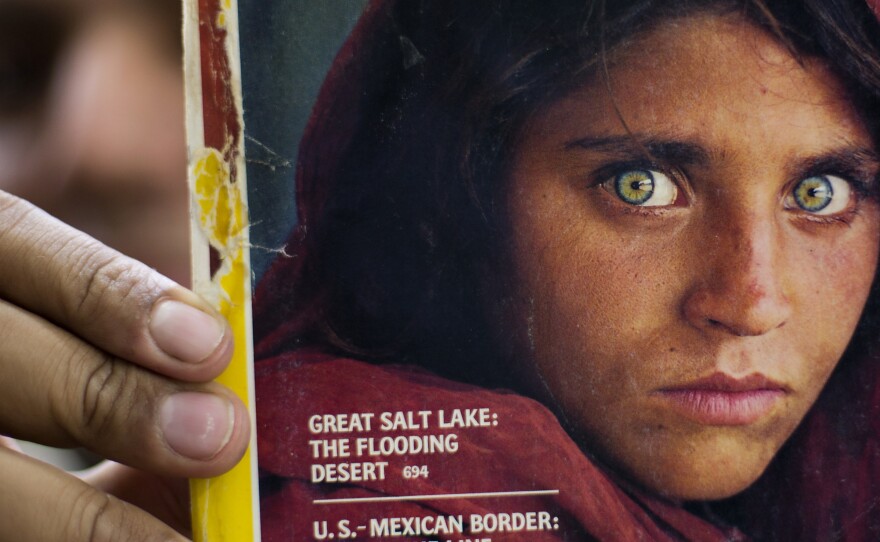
(742, 288)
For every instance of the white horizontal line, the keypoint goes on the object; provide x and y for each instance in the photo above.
(440, 497)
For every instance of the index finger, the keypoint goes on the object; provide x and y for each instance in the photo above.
(41, 503)
(113, 302)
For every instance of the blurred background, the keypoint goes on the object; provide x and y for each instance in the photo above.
(91, 110)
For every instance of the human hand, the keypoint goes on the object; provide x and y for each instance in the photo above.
(100, 351)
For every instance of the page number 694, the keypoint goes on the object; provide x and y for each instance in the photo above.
(415, 471)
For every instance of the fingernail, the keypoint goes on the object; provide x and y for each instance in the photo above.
(185, 332)
(196, 425)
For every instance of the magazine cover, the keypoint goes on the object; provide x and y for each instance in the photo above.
(526, 271)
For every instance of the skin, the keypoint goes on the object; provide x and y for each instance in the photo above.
(83, 363)
(729, 276)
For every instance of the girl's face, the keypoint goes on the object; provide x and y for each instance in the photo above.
(688, 280)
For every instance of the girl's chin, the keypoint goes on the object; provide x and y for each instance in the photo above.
(698, 473)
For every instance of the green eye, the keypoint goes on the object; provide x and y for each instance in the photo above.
(821, 195)
(645, 187)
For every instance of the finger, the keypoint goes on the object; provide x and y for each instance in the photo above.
(9, 444)
(40, 503)
(112, 301)
(59, 390)
(166, 499)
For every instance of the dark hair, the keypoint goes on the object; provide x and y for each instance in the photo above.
(405, 152)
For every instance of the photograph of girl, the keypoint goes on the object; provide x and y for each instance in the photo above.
(643, 234)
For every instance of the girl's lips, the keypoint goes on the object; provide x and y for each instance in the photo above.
(721, 399)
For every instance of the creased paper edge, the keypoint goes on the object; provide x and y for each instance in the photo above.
(222, 513)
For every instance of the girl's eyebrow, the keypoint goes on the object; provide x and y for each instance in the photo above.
(651, 148)
(859, 163)
(856, 160)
